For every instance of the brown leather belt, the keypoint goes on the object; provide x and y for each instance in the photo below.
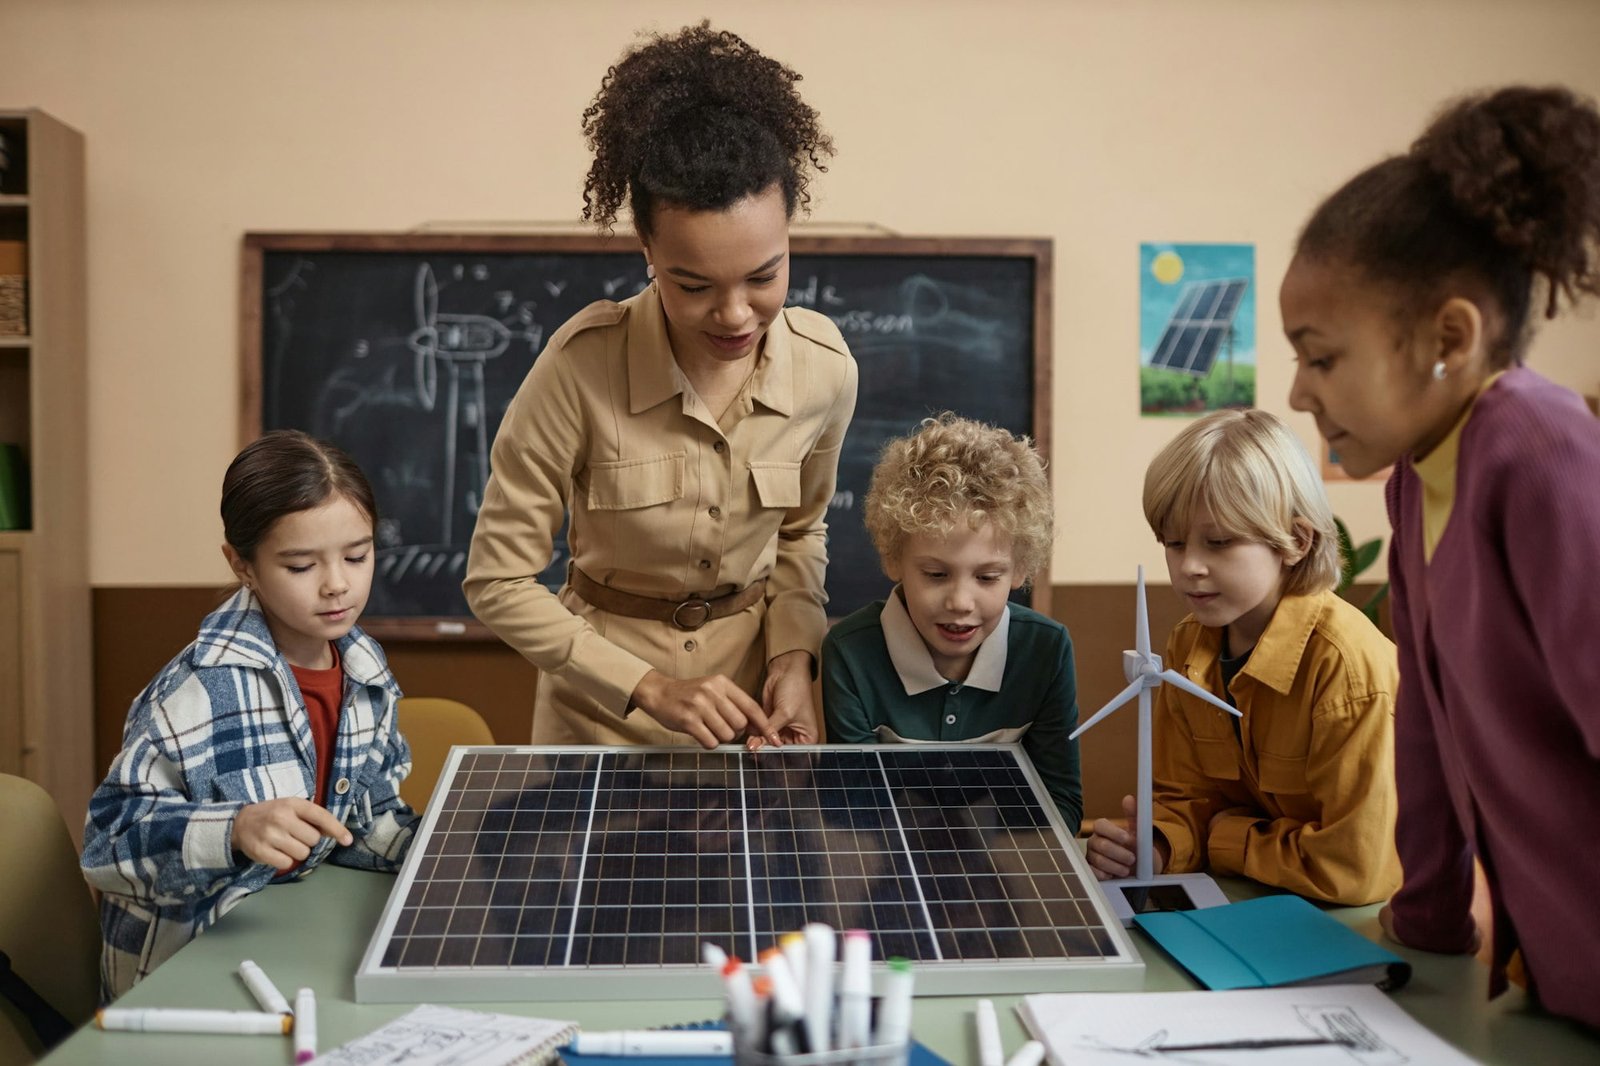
(689, 614)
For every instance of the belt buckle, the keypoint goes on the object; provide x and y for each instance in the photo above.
(694, 622)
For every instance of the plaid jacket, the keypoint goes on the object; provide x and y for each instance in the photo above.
(223, 726)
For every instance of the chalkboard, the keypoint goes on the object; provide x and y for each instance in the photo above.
(405, 349)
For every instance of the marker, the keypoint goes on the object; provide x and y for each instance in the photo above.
(713, 956)
(990, 1052)
(743, 1011)
(261, 987)
(820, 953)
(779, 1038)
(663, 1042)
(166, 1020)
(788, 1002)
(855, 991)
(305, 1026)
(1029, 1054)
(794, 951)
(894, 1013)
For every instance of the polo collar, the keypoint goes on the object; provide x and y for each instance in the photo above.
(913, 662)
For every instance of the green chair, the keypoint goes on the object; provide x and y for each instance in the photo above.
(48, 926)
(431, 726)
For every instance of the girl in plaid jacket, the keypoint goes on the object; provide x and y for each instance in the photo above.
(269, 744)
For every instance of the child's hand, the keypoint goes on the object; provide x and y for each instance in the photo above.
(787, 699)
(711, 709)
(1111, 848)
(282, 832)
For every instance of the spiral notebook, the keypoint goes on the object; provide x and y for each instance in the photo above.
(447, 1036)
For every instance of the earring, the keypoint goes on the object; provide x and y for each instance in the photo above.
(650, 271)
(1439, 370)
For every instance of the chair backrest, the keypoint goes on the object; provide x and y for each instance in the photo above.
(47, 917)
(431, 726)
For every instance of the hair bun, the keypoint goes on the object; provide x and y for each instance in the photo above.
(1525, 163)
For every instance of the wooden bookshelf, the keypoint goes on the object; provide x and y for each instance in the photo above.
(46, 693)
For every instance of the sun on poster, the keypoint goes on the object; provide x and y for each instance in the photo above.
(1197, 328)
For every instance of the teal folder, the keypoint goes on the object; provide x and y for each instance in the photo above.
(1274, 940)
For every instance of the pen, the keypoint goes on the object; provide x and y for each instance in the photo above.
(664, 1042)
(894, 1014)
(261, 987)
(1029, 1054)
(855, 991)
(990, 1052)
(820, 953)
(167, 1020)
(1260, 1045)
(305, 1026)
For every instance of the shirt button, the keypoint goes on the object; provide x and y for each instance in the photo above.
(714, 511)
(949, 719)
(342, 785)
(719, 447)
(689, 645)
(705, 564)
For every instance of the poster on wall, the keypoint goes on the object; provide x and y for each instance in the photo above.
(1197, 328)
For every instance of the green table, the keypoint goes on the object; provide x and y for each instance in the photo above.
(313, 934)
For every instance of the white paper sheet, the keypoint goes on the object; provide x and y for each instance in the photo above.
(1327, 1025)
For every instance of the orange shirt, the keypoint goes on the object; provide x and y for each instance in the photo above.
(323, 692)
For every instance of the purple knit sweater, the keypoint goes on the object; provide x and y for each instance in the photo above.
(1497, 721)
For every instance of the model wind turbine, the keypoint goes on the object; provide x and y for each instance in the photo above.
(1144, 890)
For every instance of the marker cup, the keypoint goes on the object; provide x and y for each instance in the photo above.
(863, 1056)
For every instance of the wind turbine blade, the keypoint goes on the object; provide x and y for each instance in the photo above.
(1141, 635)
(1175, 678)
(1117, 701)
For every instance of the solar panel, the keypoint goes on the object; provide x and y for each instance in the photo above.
(1200, 322)
(562, 873)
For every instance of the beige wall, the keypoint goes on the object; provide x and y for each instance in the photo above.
(1097, 124)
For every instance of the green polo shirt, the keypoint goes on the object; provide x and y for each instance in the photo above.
(879, 684)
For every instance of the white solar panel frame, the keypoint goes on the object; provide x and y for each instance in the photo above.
(1120, 970)
(1183, 340)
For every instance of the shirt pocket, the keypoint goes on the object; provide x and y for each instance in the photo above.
(260, 783)
(626, 484)
(1219, 759)
(777, 484)
(1283, 775)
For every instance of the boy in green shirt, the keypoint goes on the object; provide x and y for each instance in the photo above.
(960, 514)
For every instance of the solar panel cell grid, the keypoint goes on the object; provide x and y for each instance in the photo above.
(572, 861)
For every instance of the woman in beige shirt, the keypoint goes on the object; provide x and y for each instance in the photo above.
(691, 434)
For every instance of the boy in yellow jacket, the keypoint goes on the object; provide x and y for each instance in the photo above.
(1298, 792)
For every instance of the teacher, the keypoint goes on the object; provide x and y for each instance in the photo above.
(690, 435)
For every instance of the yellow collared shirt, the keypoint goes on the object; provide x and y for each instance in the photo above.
(1303, 798)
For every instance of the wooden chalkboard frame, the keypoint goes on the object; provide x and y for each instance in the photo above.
(256, 246)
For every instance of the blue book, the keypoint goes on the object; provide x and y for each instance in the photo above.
(1271, 941)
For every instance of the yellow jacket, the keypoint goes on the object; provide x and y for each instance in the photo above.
(1306, 802)
(663, 501)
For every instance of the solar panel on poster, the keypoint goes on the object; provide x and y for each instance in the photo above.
(582, 873)
(1199, 325)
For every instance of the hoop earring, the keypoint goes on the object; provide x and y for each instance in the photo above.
(1439, 370)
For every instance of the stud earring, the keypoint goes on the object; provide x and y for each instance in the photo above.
(1439, 370)
(650, 271)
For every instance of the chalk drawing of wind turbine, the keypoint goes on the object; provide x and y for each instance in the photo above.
(1144, 890)
(458, 341)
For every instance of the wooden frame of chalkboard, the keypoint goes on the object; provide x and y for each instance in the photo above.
(355, 337)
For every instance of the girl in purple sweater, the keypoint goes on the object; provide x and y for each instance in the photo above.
(1408, 304)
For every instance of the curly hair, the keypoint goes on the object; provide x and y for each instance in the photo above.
(1258, 481)
(1501, 191)
(698, 119)
(956, 470)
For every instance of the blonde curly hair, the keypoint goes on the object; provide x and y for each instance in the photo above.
(956, 470)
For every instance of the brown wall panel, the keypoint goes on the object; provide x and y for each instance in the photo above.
(137, 630)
